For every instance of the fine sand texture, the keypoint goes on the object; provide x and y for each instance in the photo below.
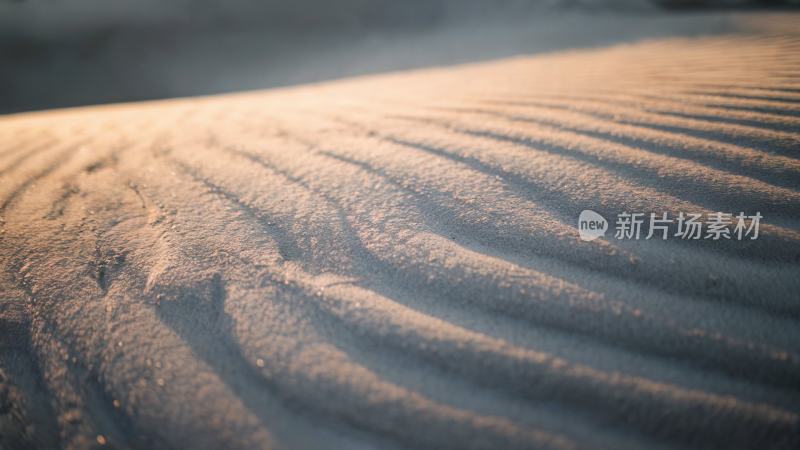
(393, 261)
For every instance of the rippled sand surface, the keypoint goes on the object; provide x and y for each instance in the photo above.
(392, 261)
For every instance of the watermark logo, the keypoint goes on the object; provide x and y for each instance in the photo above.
(591, 225)
(693, 226)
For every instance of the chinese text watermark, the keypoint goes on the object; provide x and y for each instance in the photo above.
(687, 226)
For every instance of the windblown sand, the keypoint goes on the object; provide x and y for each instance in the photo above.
(393, 261)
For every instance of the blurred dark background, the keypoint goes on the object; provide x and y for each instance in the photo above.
(57, 53)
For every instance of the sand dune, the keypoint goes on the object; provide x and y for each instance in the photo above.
(392, 261)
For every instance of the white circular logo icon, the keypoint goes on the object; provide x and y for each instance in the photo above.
(591, 225)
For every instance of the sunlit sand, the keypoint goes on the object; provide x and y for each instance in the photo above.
(392, 261)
